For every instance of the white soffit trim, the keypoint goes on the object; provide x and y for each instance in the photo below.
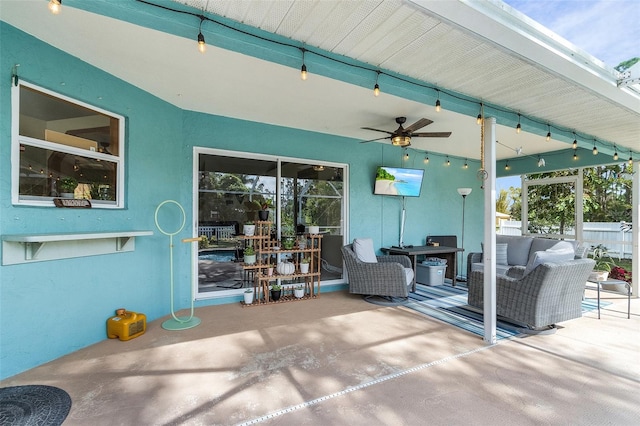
(512, 31)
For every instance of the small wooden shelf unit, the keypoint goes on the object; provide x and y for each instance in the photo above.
(270, 251)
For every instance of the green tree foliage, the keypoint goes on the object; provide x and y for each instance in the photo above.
(607, 195)
(606, 198)
(625, 65)
(502, 203)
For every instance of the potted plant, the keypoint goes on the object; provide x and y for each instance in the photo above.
(276, 292)
(620, 274)
(263, 214)
(67, 186)
(604, 262)
(314, 229)
(304, 265)
(248, 296)
(288, 238)
(298, 292)
(249, 255)
(249, 228)
(269, 269)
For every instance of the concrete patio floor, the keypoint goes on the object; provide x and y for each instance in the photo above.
(338, 360)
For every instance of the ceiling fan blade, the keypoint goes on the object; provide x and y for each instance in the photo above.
(431, 135)
(379, 139)
(377, 130)
(418, 125)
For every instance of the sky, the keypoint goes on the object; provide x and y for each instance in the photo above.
(606, 29)
(609, 30)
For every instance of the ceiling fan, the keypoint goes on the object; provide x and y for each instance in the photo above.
(402, 135)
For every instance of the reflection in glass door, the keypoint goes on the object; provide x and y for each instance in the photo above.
(313, 195)
(233, 191)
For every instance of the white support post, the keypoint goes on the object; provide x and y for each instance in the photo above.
(635, 220)
(489, 231)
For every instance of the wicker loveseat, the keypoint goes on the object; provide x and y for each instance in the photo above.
(550, 293)
(387, 277)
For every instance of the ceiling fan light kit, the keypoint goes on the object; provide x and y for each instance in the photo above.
(402, 135)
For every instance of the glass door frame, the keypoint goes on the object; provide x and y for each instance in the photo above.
(197, 151)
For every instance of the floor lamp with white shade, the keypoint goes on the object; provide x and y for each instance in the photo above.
(464, 192)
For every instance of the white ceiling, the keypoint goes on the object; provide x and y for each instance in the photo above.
(481, 49)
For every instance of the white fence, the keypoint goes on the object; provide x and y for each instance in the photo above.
(609, 234)
(217, 232)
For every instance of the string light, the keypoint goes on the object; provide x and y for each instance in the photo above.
(466, 165)
(448, 163)
(595, 149)
(426, 158)
(630, 158)
(406, 156)
(506, 166)
(55, 6)
(615, 154)
(202, 47)
(575, 155)
(303, 69)
(376, 88)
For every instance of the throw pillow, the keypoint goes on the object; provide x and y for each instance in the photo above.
(408, 273)
(363, 248)
(548, 256)
(501, 254)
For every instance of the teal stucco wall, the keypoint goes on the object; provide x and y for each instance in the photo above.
(49, 309)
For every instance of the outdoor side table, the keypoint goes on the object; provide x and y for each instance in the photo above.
(626, 284)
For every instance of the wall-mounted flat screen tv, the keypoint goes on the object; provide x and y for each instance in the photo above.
(398, 181)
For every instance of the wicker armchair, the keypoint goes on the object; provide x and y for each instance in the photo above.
(550, 293)
(385, 278)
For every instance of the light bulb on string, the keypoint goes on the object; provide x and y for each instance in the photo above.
(303, 69)
(376, 88)
(448, 163)
(438, 106)
(426, 158)
(548, 133)
(575, 155)
(595, 149)
(466, 164)
(55, 6)
(507, 167)
(518, 127)
(202, 46)
(615, 154)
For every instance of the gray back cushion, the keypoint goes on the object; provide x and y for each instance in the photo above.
(541, 244)
(519, 247)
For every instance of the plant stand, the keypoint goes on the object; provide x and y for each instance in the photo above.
(265, 248)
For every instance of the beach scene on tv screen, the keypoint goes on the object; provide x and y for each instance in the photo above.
(398, 181)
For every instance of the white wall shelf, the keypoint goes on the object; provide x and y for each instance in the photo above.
(17, 249)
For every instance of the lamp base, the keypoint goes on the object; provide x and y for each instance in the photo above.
(181, 324)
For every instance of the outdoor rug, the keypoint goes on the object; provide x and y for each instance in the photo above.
(449, 304)
(33, 405)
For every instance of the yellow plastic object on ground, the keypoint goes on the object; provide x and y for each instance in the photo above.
(126, 325)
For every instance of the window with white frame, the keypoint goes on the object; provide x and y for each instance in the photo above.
(65, 148)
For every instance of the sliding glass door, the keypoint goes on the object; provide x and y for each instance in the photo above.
(236, 188)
